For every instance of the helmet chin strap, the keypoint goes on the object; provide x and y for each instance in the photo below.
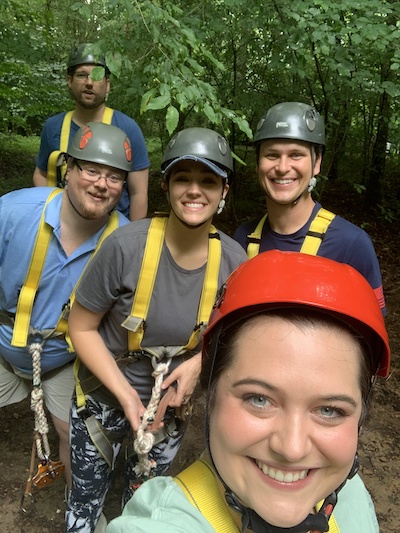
(313, 523)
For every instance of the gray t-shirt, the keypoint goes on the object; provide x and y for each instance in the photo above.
(110, 281)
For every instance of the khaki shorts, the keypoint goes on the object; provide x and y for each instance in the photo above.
(57, 389)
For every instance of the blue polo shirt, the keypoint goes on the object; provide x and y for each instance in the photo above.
(20, 213)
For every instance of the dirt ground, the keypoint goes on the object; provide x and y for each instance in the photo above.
(379, 446)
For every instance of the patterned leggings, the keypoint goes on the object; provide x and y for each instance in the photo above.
(91, 475)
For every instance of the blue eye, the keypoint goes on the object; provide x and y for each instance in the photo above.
(329, 411)
(256, 400)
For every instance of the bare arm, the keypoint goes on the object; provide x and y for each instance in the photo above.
(138, 183)
(90, 347)
(39, 178)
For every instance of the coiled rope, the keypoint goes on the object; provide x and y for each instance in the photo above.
(145, 439)
(41, 424)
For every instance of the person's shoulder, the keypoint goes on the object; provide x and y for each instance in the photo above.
(132, 229)
(248, 225)
(123, 121)
(355, 512)
(229, 244)
(159, 506)
(27, 196)
(122, 219)
(349, 232)
(55, 120)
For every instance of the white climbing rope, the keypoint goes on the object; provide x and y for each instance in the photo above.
(145, 439)
(41, 425)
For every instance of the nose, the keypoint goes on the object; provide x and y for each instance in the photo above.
(101, 182)
(291, 439)
(194, 188)
(282, 165)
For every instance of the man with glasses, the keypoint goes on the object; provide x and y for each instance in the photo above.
(36, 286)
(90, 95)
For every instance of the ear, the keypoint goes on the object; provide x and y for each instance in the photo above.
(164, 185)
(225, 191)
(317, 166)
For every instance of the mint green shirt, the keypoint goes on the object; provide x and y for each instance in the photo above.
(159, 506)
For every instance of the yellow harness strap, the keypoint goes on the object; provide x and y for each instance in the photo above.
(62, 325)
(53, 161)
(200, 487)
(199, 484)
(30, 286)
(29, 289)
(316, 232)
(254, 238)
(136, 322)
(312, 241)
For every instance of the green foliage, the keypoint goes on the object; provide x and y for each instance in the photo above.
(218, 63)
(17, 162)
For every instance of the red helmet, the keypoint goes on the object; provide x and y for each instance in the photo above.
(275, 280)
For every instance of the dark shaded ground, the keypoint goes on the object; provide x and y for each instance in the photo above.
(380, 442)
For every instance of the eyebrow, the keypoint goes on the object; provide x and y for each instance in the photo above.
(269, 387)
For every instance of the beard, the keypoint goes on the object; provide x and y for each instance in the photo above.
(93, 103)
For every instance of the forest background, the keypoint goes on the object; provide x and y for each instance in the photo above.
(221, 64)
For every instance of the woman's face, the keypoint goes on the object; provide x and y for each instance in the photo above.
(284, 426)
(195, 192)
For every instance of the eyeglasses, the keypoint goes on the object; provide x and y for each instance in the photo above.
(91, 174)
(83, 76)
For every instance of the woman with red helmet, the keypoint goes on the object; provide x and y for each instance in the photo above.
(291, 352)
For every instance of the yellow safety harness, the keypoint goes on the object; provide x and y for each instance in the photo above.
(136, 322)
(55, 161)
(199, 484)
(28, 291)
(312, 241)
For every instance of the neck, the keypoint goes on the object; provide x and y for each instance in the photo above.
(187, 245)
(289, 218)
(82, 115)
(74, 229)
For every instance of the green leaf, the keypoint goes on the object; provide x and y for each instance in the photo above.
(160, 102)
(171, 119)
(97, 73)
(210, 113)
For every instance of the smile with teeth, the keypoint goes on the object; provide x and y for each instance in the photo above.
(283, 181)
(193, 205)
(279, 475)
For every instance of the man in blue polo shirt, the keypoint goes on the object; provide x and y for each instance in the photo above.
(47, 236)
(90, 97)
(290, 142)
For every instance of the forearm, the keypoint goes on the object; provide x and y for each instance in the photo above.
(138, 194)
(94, 354)
(39, 178)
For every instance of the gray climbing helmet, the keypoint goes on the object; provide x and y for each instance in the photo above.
(291, 120)
(104, 144)
(199, 144)
(80, 56)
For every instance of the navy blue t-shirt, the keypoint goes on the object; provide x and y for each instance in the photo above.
(343, 242)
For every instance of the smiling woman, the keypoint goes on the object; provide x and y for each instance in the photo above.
(137, 322)
(288, 367)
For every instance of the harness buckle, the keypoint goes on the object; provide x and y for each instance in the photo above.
(134, 324)
(83, 412)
